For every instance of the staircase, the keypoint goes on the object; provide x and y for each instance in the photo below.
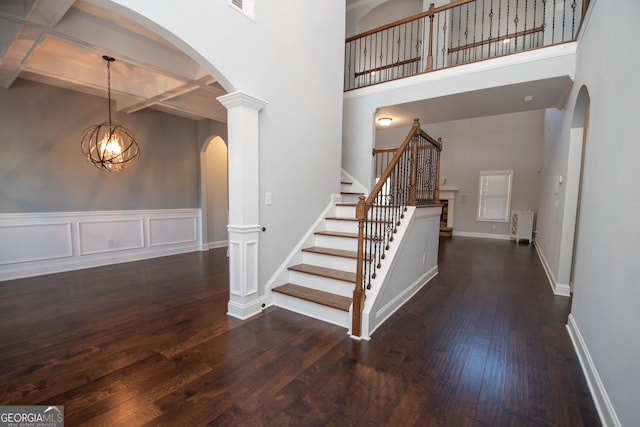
(321, 286)
(332, 270)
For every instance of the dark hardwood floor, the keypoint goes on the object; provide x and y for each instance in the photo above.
(149, 343)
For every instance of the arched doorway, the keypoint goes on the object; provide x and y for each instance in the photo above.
(214, 195)
(243, 134)
(578, 136)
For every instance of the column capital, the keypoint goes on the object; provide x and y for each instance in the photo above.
(240, 99)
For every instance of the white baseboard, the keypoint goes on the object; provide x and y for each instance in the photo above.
(482, 235)
(606, 411)
(33, 244)
(560, 289)
(216, 245)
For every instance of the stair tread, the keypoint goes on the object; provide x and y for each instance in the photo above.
(330, 251)
(345, 276)
(319, 297)
(352, 193)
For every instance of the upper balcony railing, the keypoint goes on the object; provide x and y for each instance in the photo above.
(458, 33)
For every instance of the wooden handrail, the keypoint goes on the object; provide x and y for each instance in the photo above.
(430, 12)
(387, 172)
(380, 238)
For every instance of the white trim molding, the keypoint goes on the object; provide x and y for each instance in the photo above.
(482, 235)
(32, 244)
(606, 411)
(244, 299)
(560, 289)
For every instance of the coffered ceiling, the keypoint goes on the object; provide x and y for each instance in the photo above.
(61, 43)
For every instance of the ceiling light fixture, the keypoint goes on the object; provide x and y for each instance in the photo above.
(385, 121)
(109, 146)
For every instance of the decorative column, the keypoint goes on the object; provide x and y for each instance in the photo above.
(244, 228)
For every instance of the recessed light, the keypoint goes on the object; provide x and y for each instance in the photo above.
(528, 98)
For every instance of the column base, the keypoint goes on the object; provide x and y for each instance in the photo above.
(243, 311)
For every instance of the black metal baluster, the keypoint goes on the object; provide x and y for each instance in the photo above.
(553, 23)
(574, 6)
(564, 14)
(475, 29)
(506, 33)
(490, 29)
(499, 26)
(482, 31)
(465, 54)
(444, 39)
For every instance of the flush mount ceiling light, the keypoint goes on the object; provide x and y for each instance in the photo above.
(109, 146)
(385, 121)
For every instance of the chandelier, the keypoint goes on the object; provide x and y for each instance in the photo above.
(109, 146)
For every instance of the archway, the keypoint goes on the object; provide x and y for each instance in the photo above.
(242, 135)
(214, 194)
(578, 136)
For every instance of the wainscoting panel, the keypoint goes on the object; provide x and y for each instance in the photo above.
(95, 237)
(168, 231)
(33, 244)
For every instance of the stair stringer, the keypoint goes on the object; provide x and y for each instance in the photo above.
(295, 256)
(410, 263)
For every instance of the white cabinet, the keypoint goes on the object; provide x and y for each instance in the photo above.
(522, 225)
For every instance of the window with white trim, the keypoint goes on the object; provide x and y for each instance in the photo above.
(494, 197)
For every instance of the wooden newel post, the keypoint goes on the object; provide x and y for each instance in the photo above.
(358, 291)
(413, 185)
(430, 53)
(436, 194)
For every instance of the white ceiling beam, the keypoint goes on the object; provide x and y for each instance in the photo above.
(102, 36)
(41, 17)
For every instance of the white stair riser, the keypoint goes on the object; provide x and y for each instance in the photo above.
(350, 198)
(329, 261)
(326, 284)
(341, 226)
(346, 211)
(311, 309)
(334, 242)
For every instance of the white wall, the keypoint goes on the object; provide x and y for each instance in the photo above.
(502, 142)
(551, 206)
(300, 78)
(604, 314)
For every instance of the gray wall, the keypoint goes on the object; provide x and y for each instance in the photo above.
(43, 170)
(502, 142)
(606, 276)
